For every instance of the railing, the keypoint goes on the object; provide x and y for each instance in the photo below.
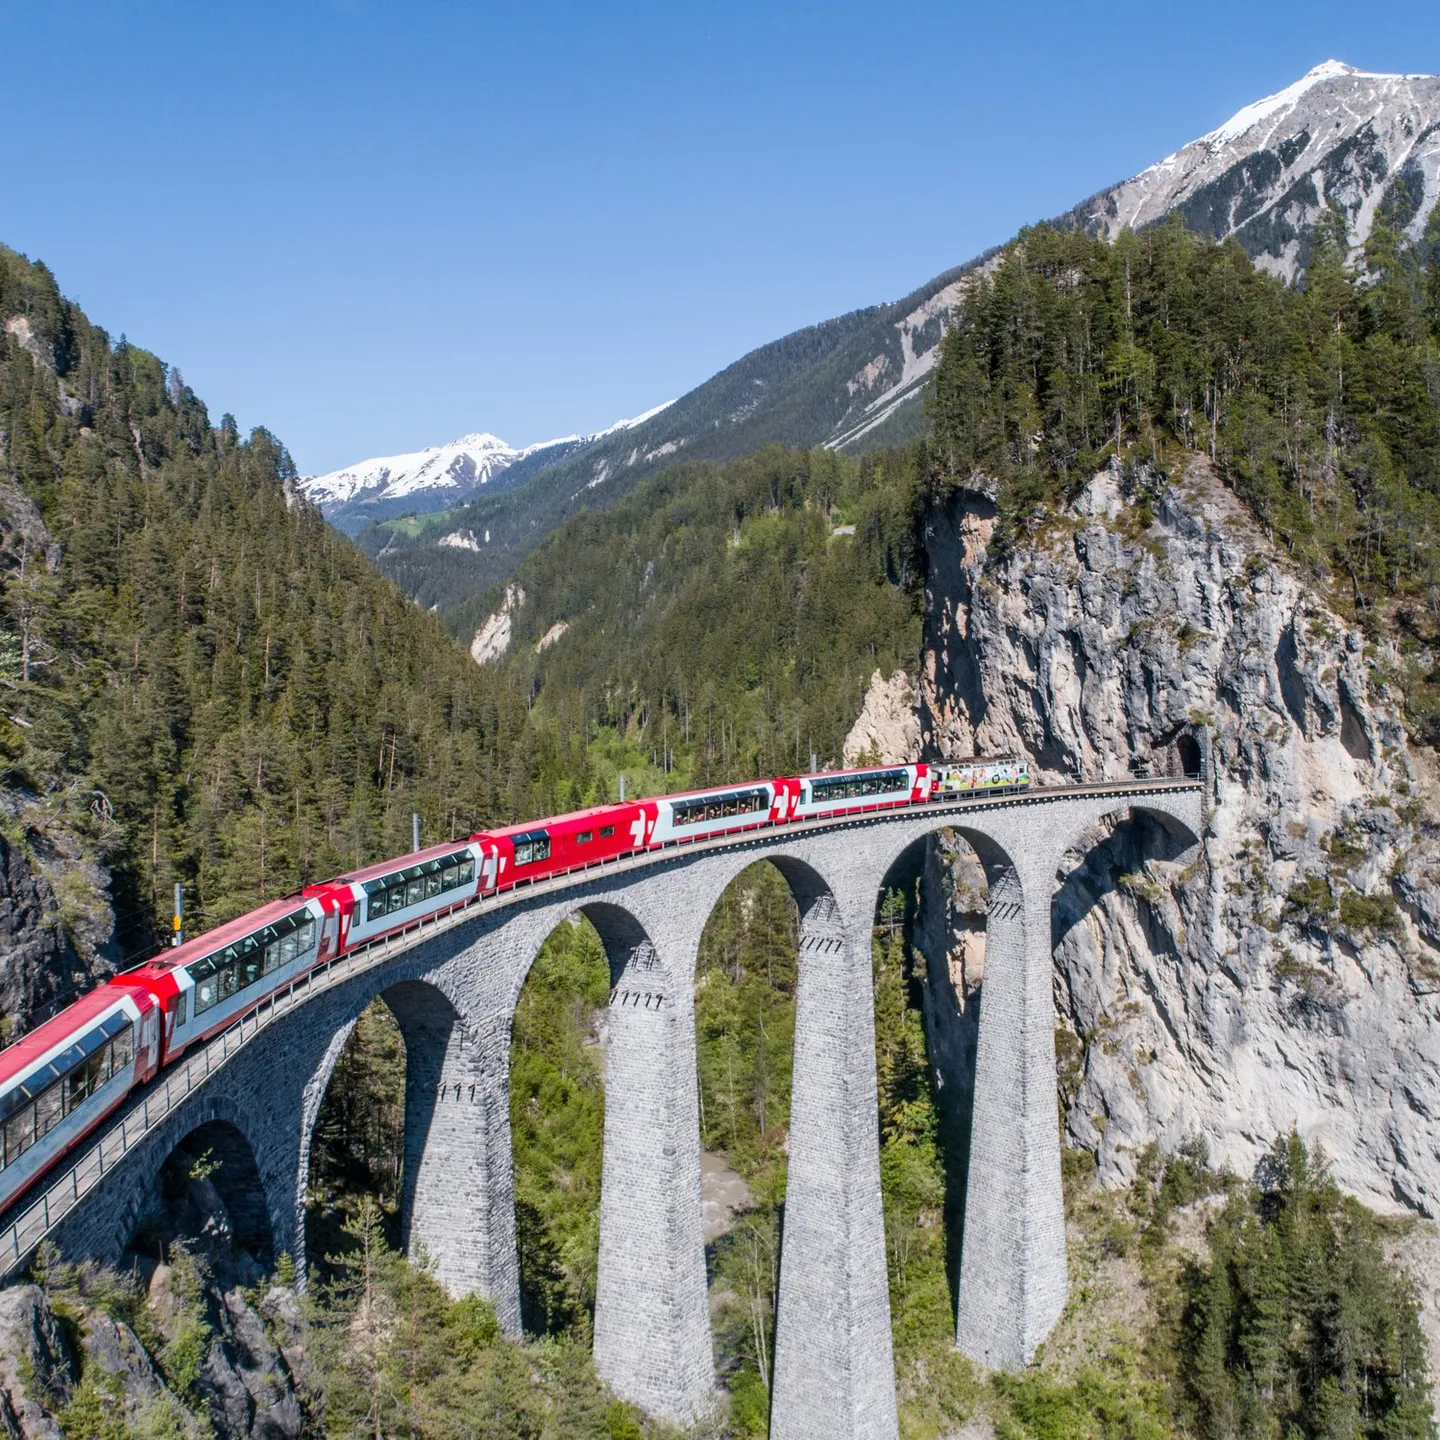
(161, 1096)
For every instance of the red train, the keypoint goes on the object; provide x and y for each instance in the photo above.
(64, 1078)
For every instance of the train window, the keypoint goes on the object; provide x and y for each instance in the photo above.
(532, 846)
(35, 1107)
(416, 883)
(217, 977)
(828, 789)
(49, 1109)
(719, 807)
(19, 1134)
(606, 831)
(584, 837)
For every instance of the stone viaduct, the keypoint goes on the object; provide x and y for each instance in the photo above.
(454, 994)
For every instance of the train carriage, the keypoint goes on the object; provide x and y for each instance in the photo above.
(202, 985)
(971, 777)
(841, 791)
(378, 900)
(699, 813)
(66, 1076)
(515, 854)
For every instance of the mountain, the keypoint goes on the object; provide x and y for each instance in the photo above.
(1367, 145)
(439, 476)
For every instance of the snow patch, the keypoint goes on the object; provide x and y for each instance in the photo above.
(1246, 119)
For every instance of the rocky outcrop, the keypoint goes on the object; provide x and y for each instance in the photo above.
(56, 924)
(37, 1365)
(216, 1360)
(492, 639)
(1292, 975)
(39, 968)
(888, 731)
(132, 1380)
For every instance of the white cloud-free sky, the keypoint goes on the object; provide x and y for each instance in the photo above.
(376, 226)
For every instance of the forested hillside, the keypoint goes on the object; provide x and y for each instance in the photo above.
(1320, 406)
(204, 683)
(727, 619)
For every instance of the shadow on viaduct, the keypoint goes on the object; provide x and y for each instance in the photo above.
(454, 997)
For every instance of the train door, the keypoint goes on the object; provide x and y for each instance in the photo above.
(147, 1038)
(921, 784)
(489, 865)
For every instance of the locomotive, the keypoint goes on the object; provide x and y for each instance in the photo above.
(63, 1079)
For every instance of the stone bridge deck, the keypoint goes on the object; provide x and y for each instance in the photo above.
(453, 983)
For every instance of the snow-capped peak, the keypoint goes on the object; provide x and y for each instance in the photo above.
(461, 465)
(1245, 120)
(439, 475)
(1337, 139)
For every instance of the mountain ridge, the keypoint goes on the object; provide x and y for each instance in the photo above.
(351, 497)
(1370, 153)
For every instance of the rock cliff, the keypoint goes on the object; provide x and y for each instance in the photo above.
(56, 922)
(1292, 975)
(222, 1353)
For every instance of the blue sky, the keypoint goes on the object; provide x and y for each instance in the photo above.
(373, 227)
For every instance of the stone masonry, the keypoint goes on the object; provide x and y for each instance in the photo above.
(454, 996)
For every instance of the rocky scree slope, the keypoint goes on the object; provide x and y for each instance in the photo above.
(1289, 977)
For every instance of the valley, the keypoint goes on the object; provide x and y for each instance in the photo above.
(1152, 491)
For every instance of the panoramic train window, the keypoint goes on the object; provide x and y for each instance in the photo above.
(392, 893)
(698, 808)
(827, 788)
(34, 1107)
(532, 846)
(227, 972)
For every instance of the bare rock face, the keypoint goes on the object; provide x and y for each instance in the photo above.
(888, 730)
(1292, 976)
(37, 1366)
(39, 969)
(246, 1379)
(44, 962)
(145, 1401)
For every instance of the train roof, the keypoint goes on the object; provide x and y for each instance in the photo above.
(570, 817)
(399, 862)
(734, 788)
(17, 1058)
(221, 935)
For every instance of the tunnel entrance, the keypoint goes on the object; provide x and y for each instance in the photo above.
(1187, 749)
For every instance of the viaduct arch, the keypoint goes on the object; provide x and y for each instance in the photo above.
(454, 989)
